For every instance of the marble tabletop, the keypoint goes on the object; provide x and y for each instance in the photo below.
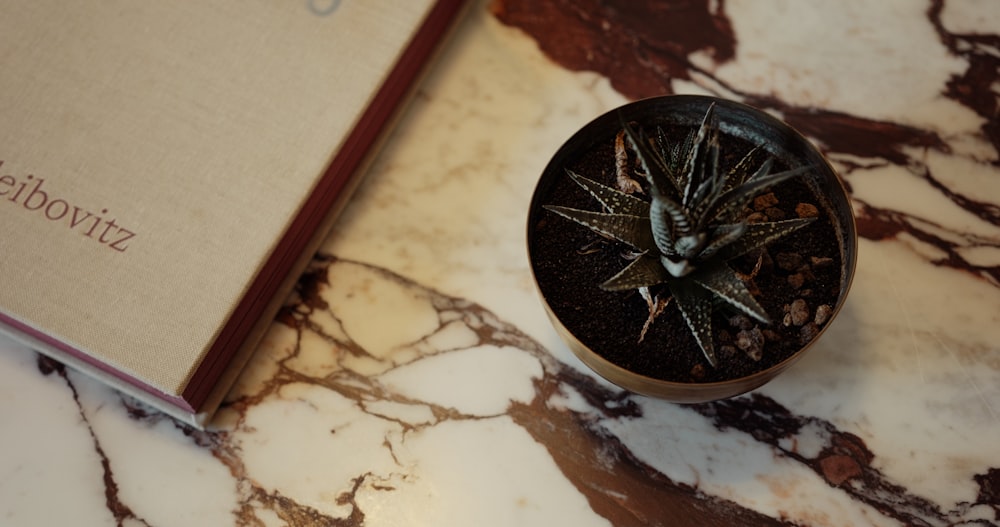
(413, 378)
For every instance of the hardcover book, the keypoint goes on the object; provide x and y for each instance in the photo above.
(168, 168)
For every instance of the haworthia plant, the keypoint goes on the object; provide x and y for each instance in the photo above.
(694, 223)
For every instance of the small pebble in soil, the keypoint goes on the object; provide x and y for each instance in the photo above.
(808, 332)
(698, 372)
(823, 313)
(820, 262)
(771, 335)
(806, 210)
(796, 280)
(765, 201)
(789, 261)
(757, 217)
(740, 322)
(799, 312)
(751, 341)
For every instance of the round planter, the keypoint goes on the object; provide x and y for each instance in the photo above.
(569, 261)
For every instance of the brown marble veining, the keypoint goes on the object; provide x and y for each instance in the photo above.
(408, 381)
(616, 483)
(643, 48)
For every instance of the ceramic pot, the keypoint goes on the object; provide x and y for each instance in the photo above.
(738, 124)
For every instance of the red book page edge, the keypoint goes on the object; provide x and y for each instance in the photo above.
(336, 178)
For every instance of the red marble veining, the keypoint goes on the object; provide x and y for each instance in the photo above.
(642, 47)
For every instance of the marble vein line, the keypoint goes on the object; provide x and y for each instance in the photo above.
(315, 354)
(625, 491)
(844, 461)
(121, 512)
(604, 38)
(618, 485)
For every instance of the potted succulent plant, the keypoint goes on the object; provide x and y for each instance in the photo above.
(690, 248)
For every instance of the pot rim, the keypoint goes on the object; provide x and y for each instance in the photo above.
(735, 118)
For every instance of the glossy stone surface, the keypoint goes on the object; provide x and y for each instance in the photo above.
(413, 379)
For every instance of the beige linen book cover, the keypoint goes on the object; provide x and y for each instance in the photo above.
(164, 165)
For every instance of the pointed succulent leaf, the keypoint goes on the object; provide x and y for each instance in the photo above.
(695, 304)
(679, 157)
(697, 156)
(644, 271)
(731, 204)
(677, 266)
(728, 206)
(671, 155)
(668, 222)
(633, 230)
(689, 246)
(655, 167)
(612, 199)
(758, 235)
(723, 282)
(763, 170)
(721, 236)
(743, 172)
(711, 178)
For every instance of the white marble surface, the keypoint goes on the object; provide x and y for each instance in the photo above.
(416, 380)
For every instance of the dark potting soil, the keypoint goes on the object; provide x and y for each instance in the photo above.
(798, 283)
